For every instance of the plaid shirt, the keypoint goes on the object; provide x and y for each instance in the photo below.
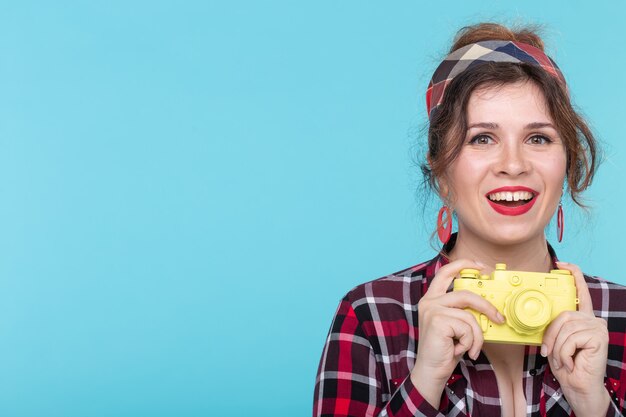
(372, 344)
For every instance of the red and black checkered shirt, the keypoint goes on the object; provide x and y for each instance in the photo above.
(371, 348)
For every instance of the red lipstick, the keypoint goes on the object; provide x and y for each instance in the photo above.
(512, 211)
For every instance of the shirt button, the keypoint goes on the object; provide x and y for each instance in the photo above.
(533, 372)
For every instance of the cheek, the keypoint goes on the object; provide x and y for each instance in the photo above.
(554, 174)
(469, 171)
(464, 180)
(558, 166)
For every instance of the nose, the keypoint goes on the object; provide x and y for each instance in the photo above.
(513, 161)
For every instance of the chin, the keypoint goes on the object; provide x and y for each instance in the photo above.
(514, 237)
(505, 234)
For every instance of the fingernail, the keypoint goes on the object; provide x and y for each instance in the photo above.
(480, 264)
(500, 317)
(544, 350)
(555, 364)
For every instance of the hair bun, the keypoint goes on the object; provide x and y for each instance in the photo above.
(494, 31)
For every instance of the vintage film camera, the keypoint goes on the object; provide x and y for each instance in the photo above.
(529, 301)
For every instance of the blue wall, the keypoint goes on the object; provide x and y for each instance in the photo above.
(189, 188)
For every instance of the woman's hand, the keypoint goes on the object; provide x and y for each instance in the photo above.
(576, 344)
(446, 331)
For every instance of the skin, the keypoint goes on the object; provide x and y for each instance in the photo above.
(511, 141)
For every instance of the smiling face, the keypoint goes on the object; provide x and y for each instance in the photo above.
(507, 180)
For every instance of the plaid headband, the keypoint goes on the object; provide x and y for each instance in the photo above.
(479, 53)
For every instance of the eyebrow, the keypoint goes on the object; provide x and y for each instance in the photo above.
(533, 125)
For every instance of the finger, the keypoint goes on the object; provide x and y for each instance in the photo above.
(563, 356)
(584, 298)
(571, 344)
(464, 344)
(461, 331)
(553, 330)
(443, 278)
(477, 334)
(556, 328)
(446, 326)
(468, 299)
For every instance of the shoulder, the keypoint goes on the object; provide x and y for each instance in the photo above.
(609, 298)
(392, 295)
(391, 285)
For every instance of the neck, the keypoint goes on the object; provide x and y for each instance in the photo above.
(530, 255)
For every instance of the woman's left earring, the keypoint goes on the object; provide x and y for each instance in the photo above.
(559, 223)
(444, 224)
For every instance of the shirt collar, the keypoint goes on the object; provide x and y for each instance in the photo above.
(442, 257)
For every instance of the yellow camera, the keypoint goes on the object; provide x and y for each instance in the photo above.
(529, 301)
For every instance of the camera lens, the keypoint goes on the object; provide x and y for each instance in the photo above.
(528, 311)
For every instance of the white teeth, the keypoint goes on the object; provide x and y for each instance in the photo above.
(510, 196)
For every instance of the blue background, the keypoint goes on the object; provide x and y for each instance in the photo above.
(189, 188)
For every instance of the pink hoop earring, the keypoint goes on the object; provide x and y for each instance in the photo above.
(444, 225)
(559, 223)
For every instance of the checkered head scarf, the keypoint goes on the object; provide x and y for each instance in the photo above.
(479, 53)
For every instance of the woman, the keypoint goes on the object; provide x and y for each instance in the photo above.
(504, 145)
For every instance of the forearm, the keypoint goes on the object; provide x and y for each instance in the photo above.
(589, 404)
(407, 401)
(351, 383)
(431, 390)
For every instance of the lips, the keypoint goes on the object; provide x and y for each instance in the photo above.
(512, 201)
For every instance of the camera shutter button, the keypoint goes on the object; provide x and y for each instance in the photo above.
(515, 280)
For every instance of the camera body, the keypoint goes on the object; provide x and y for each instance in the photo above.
(529, 301)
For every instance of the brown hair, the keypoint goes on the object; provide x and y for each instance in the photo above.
(448, 122)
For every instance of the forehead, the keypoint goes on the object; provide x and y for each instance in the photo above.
(518, 102)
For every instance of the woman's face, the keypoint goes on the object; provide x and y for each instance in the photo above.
(507, 180)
